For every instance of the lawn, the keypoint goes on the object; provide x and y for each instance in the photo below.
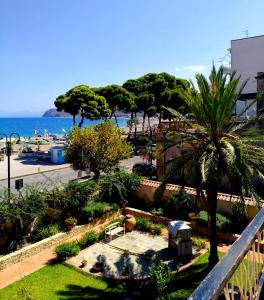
(60, 281)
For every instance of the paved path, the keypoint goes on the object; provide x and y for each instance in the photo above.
(142, 247)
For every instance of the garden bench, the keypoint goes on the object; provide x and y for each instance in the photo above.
(114, 229)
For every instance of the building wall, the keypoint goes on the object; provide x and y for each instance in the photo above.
(247, 58)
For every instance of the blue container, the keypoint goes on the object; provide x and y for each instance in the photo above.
(57, 155)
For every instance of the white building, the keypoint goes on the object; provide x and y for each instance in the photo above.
(247, 59)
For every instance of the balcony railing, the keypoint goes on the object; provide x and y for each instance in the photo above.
(240, 273)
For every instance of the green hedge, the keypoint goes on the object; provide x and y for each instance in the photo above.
(223, 222)
(97, 210)
(148, 226)
(88, 239)
(44, 231)
(66, 250)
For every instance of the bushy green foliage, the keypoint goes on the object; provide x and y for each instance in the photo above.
(179, 205)
(223, 222)
(118, 186)
(44, 231)
(96, 210)
(65, 250)
(88, 239)
(161, 277)
(146, 225)
(77, 194)
(98, 148)
(239, 216)
(157, 211)
(70, 221)
(17, 212)
(198, 242)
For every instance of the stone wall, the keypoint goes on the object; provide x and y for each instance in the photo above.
(53, 241)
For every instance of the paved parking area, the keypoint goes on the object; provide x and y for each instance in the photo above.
(116, 259)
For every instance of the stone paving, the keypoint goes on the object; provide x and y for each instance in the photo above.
(113, 255)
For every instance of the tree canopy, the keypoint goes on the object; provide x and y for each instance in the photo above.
(117, 97)
(98, 148)
(82, 100)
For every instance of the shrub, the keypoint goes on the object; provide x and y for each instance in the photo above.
(223, 223)
(77, 194)
(70, 221)
(161, 276)
(148, 226)
(143, 224)
(198, 242)
(65, 250)
(44, 231)
(97, 210)
(179, 205)
(239, 216)
(118, 186)
(88, 239)
(157, 212)
(156, 229)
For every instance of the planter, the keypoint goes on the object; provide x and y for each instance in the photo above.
(71, 226)
(97, 267)
(130, 222)
(83, 264)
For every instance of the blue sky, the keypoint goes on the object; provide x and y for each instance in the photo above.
(47, 47)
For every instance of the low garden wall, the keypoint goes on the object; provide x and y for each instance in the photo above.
(224, 204)
(222, 236)
(54, 240)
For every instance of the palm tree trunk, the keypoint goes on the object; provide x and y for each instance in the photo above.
(212, 203)
(74, 120)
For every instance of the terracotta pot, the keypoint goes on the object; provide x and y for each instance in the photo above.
(130, 222)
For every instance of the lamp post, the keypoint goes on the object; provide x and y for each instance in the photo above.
(8, 153)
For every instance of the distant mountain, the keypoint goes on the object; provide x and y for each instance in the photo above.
(54, 113)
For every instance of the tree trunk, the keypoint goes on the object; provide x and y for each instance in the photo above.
(159, 118)
(81, 122)
(143, 122)
(150, 130)
(135, 123)
(130, 127)
(212, 203)
(96, 174)
(115, 119)
(74, 120)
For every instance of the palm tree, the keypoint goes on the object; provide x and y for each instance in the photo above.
(215, 147)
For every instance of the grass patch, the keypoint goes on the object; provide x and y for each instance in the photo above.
(60, 281)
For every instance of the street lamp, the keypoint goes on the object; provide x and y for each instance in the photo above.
(8, 153)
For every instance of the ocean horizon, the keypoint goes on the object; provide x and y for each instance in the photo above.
(27, 126)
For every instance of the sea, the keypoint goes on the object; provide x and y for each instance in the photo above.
(29, 127)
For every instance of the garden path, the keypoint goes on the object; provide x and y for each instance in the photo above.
(28, 265)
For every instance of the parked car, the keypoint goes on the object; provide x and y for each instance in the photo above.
(145, 169)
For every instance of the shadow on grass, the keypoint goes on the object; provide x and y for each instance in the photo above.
(115, 290)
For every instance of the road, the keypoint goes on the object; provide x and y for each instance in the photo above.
(59, 176)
